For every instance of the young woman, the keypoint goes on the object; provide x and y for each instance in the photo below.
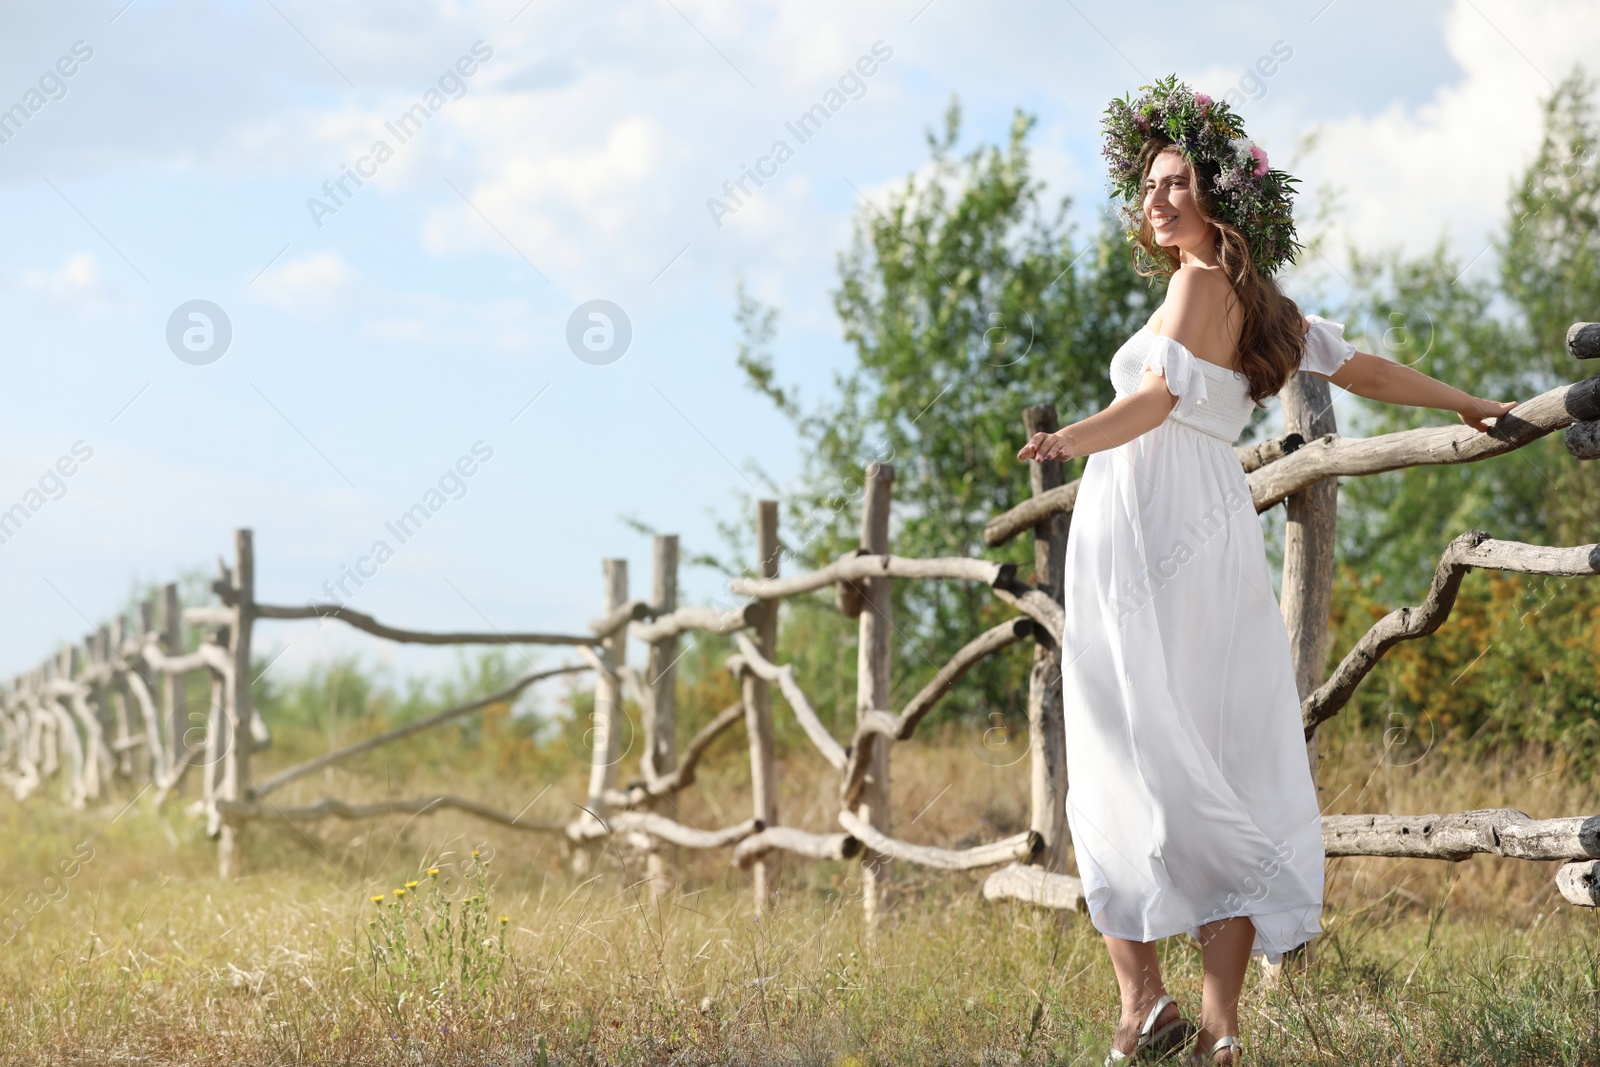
(1190, 799)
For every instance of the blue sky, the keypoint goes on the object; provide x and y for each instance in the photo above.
(429, 313)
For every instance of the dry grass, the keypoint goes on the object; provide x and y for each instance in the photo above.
(147, 958)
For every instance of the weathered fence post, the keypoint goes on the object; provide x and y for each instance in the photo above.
(154, 762)
(102, 707)
(33, 720)
(758, 704)
(216, 739)
(174, 686)
(872, 685)
(608, 714)
(1308, 550)
(661, 714)
(91, 769)
(237, 705)
(116, 694)
(1046, 725)
(1308, 554)
(63, 739)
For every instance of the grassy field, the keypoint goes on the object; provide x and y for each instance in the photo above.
(140, 955)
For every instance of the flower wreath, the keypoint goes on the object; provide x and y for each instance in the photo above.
(1251, 197)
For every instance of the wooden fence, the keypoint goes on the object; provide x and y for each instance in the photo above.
(112, 708)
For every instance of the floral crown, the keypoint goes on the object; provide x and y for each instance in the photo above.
(1255, 200)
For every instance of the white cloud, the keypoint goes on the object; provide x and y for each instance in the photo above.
(1408, 174)
(311, 282)
(78, 286)
(325, 285)
(566, 196)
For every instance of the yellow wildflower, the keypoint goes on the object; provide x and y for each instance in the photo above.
(504, 919)
(411, 885)
(433, 872)
(399, 892)
(378, 899)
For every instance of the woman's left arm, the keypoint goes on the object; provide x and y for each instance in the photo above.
(1389, 382)
(1116, 424)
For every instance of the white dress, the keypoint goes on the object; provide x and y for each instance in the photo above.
(1189, 794)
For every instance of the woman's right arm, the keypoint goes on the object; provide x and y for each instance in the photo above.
(1389, 382)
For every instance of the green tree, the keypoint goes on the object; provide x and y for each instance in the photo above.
(1515, 661)
(1498, 336)
(1550, 273)
(965, 299)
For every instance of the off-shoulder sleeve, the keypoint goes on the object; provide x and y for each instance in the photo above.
(1181, 368)
(1326, 349)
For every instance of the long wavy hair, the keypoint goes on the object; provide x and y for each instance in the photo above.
(1272, 334)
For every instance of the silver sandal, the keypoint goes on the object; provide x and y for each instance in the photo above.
(1231, 1042)
(1162, 1042)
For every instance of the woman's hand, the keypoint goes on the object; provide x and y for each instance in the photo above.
(1480, 409)
(1045, 446)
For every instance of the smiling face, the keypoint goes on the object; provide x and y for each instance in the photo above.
(1169, 204)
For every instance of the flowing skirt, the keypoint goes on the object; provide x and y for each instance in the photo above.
(1189, 794)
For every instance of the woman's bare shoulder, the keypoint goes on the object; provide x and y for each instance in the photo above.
(1200, 286)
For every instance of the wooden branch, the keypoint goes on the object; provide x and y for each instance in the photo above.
(658, 689)
(1030, 513)
(1063, 498)
(1457, 836)
(1035, 885)
(1583, 439)
(633, 685)
(238, 704)
(857, 566)
(848, 597)
(48, 717)
(659, 826)
(1579, 882)
(799, 842)
(415, 637)
(874, 682)
(597, 661)
(170, 780)
(632, 611)
(96, 757)
(1037, 604)
(62, 687)
(1333, 456)
(1475, 548)
(208, 657)
(683, 776)
(208, 616)
(80, 756)
(711, 620)
(147, 712)
(123, 744)
(750, 657)
(1583, 340)
(1560, 562)
(1006, 850)
(995, 639)
(238, 811)
(1254, 457)
(300, 770)
(873, 728)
